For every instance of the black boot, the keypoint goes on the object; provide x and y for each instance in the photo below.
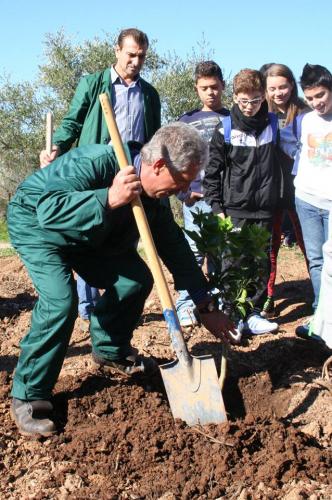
(31, 417)
(130, 365)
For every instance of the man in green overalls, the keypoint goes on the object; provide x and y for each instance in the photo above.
(76, 215)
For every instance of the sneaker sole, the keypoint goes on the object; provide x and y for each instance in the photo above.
(268, 314)
(186, 324)
(250, 332)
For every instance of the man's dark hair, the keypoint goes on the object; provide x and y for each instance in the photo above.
(206, 69)
(140, 38)
(314, 75)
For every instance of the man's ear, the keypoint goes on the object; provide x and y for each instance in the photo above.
(158, 165)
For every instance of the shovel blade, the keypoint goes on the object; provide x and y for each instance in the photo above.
(194, 392)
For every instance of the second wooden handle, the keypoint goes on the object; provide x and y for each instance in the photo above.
(49, 132)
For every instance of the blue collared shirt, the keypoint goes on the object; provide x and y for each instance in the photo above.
(128, 105)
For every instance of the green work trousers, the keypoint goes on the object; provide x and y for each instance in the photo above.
(127, 282)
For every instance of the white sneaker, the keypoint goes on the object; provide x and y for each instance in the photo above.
(256, 325)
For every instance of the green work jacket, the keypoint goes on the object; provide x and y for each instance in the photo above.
(64, 206)
(84, 121)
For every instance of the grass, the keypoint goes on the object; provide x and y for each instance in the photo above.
(4, 237)
(7, 252)
(287, 252)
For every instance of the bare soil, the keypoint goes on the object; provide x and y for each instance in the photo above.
(117, 437)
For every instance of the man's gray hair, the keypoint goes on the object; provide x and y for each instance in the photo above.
(180, 145)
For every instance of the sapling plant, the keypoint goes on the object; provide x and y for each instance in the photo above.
(238, 259)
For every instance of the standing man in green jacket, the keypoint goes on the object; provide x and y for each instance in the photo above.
(137, 110)
(136, 103)
(76, 214)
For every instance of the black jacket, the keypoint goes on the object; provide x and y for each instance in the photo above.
(243, 178)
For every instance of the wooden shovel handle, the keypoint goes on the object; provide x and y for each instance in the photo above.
(139, 213)
(169, 312)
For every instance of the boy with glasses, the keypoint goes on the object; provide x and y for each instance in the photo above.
(242, 178)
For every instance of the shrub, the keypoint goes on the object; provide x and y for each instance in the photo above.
(243, 252)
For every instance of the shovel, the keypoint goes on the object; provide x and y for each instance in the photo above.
(191, 383)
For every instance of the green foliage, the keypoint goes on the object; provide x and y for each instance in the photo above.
(21, 135)
(244, 251)
(7, 252)
(4, 237)
(23, 106)
(175, 85)
(175, 82)
(63, 69)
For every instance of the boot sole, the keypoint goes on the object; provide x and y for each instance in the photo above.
(251, 333)
(107, 368)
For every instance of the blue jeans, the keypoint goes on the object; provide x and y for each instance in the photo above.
(314, 224)
(184, 302)
(87, 298)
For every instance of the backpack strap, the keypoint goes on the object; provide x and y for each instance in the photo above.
(297, 126)
(297, 129)
(275, 126)
(227, 126)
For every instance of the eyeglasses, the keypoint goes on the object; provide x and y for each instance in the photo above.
(246, 102)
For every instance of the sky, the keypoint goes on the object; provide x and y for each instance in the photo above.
(240, 34)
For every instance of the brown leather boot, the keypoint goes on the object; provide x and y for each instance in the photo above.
(30, 417)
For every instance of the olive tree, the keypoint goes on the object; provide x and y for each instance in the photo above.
(175, 82)
(23, 105)
(21, 136)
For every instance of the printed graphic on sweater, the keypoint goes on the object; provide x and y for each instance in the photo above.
(320, 149)
(206, 126)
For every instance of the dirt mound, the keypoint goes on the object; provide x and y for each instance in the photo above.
(118, 440)
(119, 436)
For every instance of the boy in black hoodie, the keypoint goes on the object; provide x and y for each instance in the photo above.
(242, 178)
